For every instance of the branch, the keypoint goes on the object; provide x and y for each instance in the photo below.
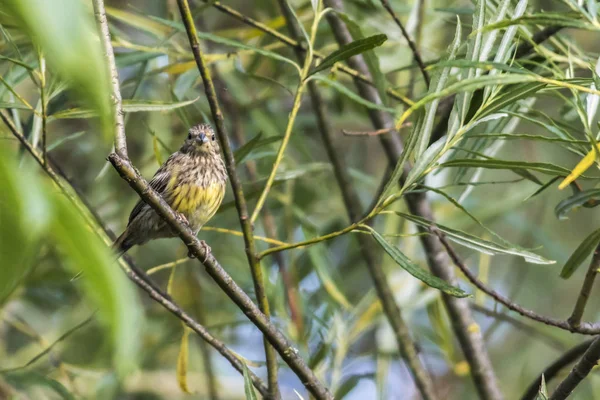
(411, 44)
(132, 272)
(470, 339)
(579, 372)
(585, 328)
(354, 210)
(240, 200)
(553, 369)
(120, 139)
(586, 288)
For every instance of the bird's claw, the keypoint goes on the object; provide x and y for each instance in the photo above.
(182, 218)
(207, 251)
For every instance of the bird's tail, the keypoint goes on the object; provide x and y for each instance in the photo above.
(122, 244)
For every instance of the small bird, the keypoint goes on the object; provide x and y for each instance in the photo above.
(192, 181)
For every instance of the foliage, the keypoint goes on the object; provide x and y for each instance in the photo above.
(490, 166)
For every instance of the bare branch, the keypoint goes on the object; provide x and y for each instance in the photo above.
(240, 200)
(586, 288)
(579, 372)
(553, 369)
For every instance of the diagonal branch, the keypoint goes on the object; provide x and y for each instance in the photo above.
(240, 200)
(585, 328)
(586, 288)
(120, 138)
(136, 275)
(553, 369)
(579, 372)
(283, 346)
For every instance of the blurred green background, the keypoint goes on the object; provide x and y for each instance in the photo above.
(340, 316)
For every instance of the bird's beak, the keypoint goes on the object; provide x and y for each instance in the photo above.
(202, 138)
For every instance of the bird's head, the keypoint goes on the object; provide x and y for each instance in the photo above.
(200, 140)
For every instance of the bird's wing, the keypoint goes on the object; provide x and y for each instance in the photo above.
(159, 183)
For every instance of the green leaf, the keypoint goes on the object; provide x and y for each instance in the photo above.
(248, 387)
(253, 144)
(478, 244)
(27, 380)
(370, 57)
(24, 219)
(580, 254)
(545, 19)
(543, 392)
(108, 288)
(18, 106)
(351, 95)
(68, 138)
(351, 49)
(577, 200)
(415, 270)
(128, 106)
(545, 168)
(182, 360)
(66, 33)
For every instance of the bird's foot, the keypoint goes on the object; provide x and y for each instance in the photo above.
(182, 218)
(207, 251)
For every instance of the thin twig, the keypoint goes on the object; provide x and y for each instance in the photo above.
(411, 44)
(374, 133)
(585, 328)
(579, 372)
(120, 138)
(586, 288)
(240, 201)
(553, 369)
(134, 273)
(44, 101)
(531, 331)
(354, 210)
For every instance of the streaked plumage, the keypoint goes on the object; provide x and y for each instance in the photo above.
(192, 181)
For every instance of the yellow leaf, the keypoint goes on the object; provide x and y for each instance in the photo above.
(583, 165)
(182, 361)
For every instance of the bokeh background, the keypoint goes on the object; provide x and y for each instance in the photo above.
(340, 320)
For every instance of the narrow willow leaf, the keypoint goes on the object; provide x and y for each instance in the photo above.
(545, 168)
(351, 49)
(542, 188)
(351, 95)
(321, 264)
(415, 134)
(545, 19)
(523, 136)
(580, 254)
(478, 244)
(24, 220)
(156, 149)
(579, 169)
(17, 62)
(416, 271)
(62, 141)
(542, 392)
(182, 361)
(17, 106)
(66, 32)
(32, 379)
(370, 57)
(128, 106)
(577, 200)
(509, 96)
(248, 388)
(252, 145)
(112, 293)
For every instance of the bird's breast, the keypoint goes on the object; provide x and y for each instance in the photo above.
(198, 203)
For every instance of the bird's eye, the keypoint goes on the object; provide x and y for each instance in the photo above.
(213, 137)
(189, 135)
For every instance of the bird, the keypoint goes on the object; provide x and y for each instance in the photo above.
(192, 181)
